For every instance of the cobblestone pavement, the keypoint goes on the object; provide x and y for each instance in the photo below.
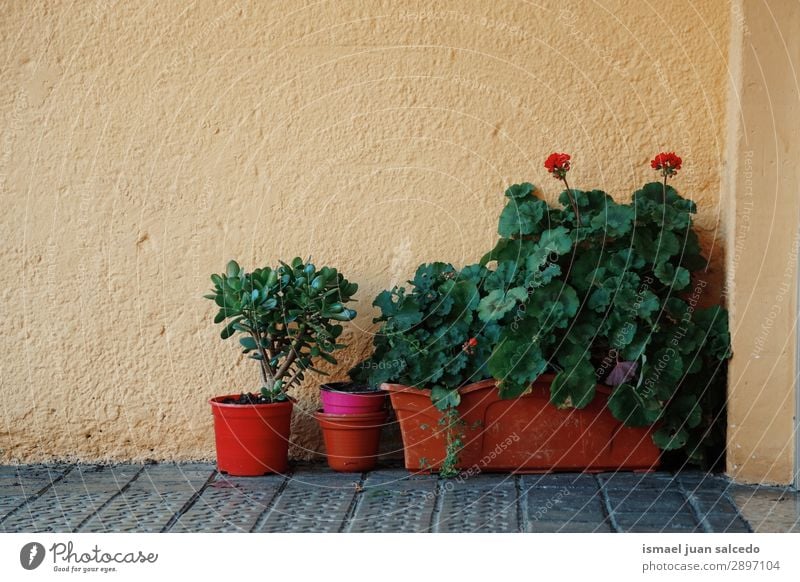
(193, 497)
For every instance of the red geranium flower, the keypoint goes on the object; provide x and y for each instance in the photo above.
(667, 163)
(558, 165)
(470, 345)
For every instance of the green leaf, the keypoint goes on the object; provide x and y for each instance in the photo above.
(616, 221)
(555, 241)
(516, 363)
(668, 438)
(574, 386)
(498, 302)
(518, 191)
(328, 358)
(631, 408)
(228, 330)
(444, 398)
(233, 269)
(687, 408)
(522, 217)
(599, 300)
(248, 343)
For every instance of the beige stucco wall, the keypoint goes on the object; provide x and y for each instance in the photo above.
(146, 143)
(762, 199)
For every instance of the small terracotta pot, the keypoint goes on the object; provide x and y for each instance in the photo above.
(340, 398)
(351, 440)
(251, 439)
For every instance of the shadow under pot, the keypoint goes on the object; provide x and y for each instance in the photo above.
(351, 398)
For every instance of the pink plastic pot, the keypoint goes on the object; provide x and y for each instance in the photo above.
(347, 398)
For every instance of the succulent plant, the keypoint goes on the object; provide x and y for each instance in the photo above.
(286, 318)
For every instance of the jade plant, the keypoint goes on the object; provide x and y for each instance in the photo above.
(286, 318)
(594, 291)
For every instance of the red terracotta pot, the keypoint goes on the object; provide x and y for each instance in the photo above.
(351, 440)
(524, 435)
(252, 439)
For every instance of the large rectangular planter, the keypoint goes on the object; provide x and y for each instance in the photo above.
(523, 435)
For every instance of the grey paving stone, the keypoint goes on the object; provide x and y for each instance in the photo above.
(9, 503)
(487, 503)
(628, 481)
(54, 512)
(226, 508)
(726, 524)
(650, 521)
(99, 478)
(146, 506)
(700, 481)
(60, 498)
(191, 473)
(36, 471)
(558, 526)
(768, 509)
(68, 501)
(312, 502)
(539, 501)
(642, 500)
(393, 501)
(559, 480)
(26, 480)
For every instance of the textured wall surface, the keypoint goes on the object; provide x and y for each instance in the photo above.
(762, 197)
(146, 143)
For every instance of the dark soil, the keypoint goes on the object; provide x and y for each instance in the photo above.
(245, 398)
(348, 387)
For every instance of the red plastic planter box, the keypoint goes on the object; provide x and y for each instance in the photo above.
(524, 435)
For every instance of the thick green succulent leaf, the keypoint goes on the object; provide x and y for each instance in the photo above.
(233, 269)
(228, 330)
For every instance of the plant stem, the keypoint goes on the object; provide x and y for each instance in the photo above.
(290, 357)
(573, 202)
(664, 189)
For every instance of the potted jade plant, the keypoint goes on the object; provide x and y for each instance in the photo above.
(285, 318)
(578, 342)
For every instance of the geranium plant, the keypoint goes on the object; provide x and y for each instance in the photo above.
(285, 317)
(609, 298)
(594, 291)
